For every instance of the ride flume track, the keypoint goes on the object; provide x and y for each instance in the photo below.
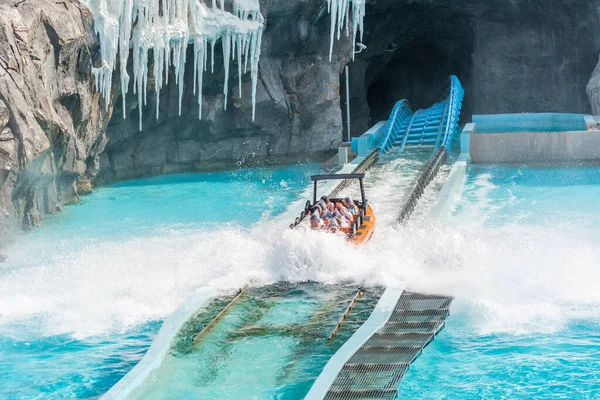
(363, 167)
(435, 126)
(428, 175)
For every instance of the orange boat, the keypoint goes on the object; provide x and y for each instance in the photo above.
(362, 224)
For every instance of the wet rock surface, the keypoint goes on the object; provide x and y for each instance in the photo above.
(511, 56)
(50, 116)
(298, 113)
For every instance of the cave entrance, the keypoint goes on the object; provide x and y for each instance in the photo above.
(422, 52)
(418, 71)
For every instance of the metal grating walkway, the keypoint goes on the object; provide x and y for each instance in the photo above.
(375, 370)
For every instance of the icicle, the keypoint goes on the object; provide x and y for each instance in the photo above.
(204, 42)
(257, 40)
(212, 56)
(196, 49)
(339, 11)
(226, 53)
(134, 27)
(347, 22)
(239, 63)
(182, 53)
(333, 13)
(202, 56)
(247, 40)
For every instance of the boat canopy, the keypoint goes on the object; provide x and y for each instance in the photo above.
(317, 178)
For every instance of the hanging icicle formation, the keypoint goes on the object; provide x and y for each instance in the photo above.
(339, 10)
(166, 27)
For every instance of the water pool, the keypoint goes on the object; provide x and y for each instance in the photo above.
(86, 293)
(520, 254)
(271, 344)
(82, 297)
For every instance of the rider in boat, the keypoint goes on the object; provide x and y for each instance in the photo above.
(341, 220)
(333, 225)
(316, 222)
(344, 211)
(350, 205)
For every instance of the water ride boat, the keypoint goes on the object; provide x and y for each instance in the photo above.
(360, 227)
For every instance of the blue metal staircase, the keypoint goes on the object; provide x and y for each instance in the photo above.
(435, 126)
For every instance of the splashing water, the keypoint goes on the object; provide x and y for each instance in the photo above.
(513, 277)
(521, 258)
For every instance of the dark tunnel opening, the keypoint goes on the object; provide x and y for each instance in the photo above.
(418, 72)
(507, 58)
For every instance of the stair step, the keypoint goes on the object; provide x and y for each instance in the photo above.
(395, 339)
(362, 377)
(435, 315)
(362, 394)
(425, 142)
(412, 327)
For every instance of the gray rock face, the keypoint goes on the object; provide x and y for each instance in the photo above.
(298, 113)
(510, 55)
(593, 90)
(50, 116)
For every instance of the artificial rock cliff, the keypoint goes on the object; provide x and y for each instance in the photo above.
(55, 130)
(52, 123)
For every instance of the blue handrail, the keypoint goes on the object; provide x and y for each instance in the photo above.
(400, 113)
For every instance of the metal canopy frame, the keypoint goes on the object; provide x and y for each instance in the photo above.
(339, 177)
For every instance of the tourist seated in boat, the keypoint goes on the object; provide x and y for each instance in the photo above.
(322, 204)
(340, 208)
(316, 222)
(333, 226)
(342, 221)
(350, 205)
(331, 207)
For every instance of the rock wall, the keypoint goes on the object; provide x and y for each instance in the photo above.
(298, 113)
(510, 55)
(51, 121)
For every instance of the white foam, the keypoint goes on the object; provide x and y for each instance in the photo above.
(515, 278)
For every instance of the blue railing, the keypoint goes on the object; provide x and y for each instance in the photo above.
(400, 113)
(435, 126)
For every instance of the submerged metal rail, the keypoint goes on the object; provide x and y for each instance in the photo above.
(219, 315)
(359, 293)
(375, 369)
(422, 182)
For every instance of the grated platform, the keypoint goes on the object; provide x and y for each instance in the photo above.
(375, 370)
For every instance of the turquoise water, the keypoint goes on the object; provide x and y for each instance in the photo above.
(463, 363)
(82, 297)
(521, 257)
(529, 122)
(271, 344)
(566, 198)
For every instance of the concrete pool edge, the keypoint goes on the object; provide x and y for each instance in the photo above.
(160, 345)
(376, 320)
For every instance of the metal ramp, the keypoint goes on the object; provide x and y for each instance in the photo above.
(435, 126)
(376, 368)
